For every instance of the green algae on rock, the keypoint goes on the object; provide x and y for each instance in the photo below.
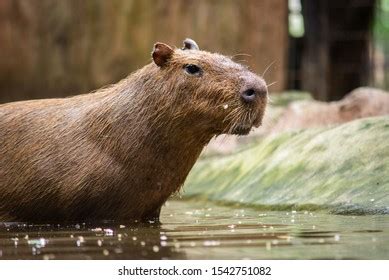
(344, 169)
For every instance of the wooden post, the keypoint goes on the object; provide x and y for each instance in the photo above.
(336, 46)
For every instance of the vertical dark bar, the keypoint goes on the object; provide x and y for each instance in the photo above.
(336, 46)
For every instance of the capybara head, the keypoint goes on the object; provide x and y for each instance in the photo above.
(209, 90)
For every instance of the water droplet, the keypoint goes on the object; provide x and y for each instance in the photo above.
(42, 242)
(99, 243)
(163, 243)
(336, 237)
(105, 252)
(134, 238)
(211, 243)
(155, 248)
(38, 243)
(372, 200)
(142, 243)
(163, 237)
(97, 229)
(118, 250)
(225, 106)
(80, 240)
(48, 256)
(16, 241)
(122, 226)
(108, 232)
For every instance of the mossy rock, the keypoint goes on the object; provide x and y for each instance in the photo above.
(344, 169)
(285, 98)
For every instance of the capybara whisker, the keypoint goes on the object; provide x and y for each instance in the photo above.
(269, 85)
(267, 68)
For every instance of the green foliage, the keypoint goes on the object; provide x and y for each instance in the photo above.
(381, 22)
(287, 97)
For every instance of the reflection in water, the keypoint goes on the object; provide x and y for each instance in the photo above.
(195, 230)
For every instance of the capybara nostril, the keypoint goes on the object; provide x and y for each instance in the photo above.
(249, 95)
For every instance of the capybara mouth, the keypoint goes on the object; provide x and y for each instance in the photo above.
(258, 120)
(241, 130)
(243, 127)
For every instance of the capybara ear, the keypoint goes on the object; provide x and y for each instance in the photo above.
(161, 54)
(190, 44)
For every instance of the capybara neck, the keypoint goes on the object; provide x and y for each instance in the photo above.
(141, 115)
(140, 125)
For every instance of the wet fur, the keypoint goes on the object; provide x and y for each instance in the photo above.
(120, 152)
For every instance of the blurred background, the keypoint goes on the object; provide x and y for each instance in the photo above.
(322, 149)
(52, 48)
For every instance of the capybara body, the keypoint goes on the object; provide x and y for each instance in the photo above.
(120, 152)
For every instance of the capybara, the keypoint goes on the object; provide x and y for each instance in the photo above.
(118, 153)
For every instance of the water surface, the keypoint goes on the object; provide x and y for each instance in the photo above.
(202, 230)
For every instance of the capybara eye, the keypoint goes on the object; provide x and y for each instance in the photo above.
(192, 69)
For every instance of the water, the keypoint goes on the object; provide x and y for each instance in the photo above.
(200, 230)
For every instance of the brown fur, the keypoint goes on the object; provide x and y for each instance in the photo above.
(120, 152)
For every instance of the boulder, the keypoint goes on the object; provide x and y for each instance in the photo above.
(343, 169)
